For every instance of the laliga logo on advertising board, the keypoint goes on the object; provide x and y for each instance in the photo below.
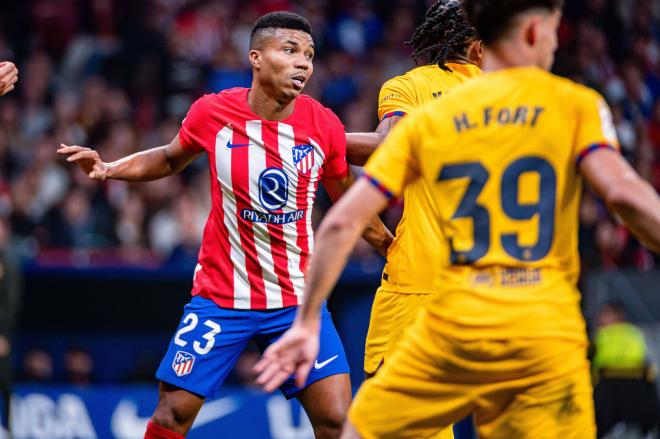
(70, 416)
(38, 416)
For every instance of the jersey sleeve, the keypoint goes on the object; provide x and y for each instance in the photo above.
(195, 125)
(396, 98)
(595, 128)
(395, 163)
(335, 165)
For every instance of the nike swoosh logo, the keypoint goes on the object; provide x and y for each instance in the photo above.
(127, 424)
(236, 145)
(217, 409)
(321, 365)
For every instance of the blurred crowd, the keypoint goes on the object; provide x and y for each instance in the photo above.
(119, 75)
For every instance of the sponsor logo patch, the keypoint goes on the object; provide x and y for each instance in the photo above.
(273, 188)
(272, 218)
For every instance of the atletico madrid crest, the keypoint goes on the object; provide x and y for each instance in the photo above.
(303, 158)
(183, 363)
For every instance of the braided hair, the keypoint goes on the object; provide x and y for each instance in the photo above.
(445, 34)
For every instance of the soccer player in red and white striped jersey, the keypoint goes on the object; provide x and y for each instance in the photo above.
(265, 172)
(268, 148)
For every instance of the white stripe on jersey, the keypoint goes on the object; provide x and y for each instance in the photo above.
(286, 142)
(257, 164)
(223, 170)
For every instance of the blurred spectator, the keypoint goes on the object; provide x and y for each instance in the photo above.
(229, 70)
(624, 378)
(146, 362)
(71, 224)
(78, 366)
(36, 367)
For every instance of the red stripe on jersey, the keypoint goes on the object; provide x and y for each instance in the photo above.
(240, 179)
(225, 264)
(277, 243)
(222, 267)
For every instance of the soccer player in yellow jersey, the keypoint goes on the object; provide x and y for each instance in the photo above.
(504, 155)
(450, 45)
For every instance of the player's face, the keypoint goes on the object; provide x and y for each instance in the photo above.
(285, 62)
(547, 39)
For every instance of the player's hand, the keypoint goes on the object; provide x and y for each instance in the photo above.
(295, 352)
(8, 77)
(88, 160)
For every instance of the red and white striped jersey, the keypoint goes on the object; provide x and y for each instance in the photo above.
(264, 174)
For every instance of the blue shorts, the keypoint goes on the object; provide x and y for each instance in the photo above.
(210, 339)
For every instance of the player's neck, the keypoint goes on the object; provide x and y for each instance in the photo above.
(457, 60)
(268, 107)
(506, 55)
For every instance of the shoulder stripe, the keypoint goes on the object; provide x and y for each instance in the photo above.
(592, 148)
(378, 185)
(393, 113)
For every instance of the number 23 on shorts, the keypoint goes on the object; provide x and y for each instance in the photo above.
(190, 323)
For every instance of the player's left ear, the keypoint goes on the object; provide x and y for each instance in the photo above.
(255, 58)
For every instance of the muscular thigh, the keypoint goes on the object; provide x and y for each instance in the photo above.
(327, 398)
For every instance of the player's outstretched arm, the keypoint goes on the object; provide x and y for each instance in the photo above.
(8, 77)
(360, 146)
(625, 193)
(336, 237)
(147, 165)
(374, 232)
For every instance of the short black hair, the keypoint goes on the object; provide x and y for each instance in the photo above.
(492, 18)
(445, 33)
(278, 20)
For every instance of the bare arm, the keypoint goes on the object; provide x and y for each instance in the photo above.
(147, 165)
(360, 146)
(374, 231)
(626, 194)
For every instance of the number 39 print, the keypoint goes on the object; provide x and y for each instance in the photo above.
(469, 207)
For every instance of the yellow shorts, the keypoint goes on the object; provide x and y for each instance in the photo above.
(391, 314)
(516, 388)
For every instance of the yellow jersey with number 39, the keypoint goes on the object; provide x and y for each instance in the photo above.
(500, 157)
(412, 260)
